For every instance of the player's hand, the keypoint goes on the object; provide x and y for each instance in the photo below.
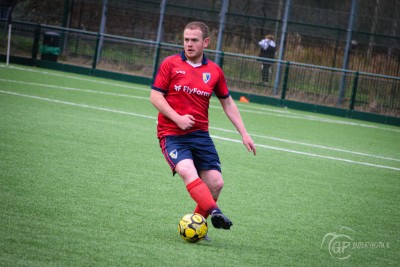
(249, 144)
(185, 122)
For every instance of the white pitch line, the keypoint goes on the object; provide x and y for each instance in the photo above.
(286, 114)
(218, 137)
(73, 89)
(258, 110)
(309, 145)
(79, 105)
(219, 129)
(331, 121)
(63, 75)
(309, 154)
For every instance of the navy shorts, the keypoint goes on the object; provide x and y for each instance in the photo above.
(197, 146)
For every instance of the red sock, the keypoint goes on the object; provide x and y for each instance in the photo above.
(200, 193)
(202, 212)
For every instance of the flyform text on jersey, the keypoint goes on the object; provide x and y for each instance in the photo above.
(189, 90)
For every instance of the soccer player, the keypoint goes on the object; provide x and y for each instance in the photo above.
(181, 93)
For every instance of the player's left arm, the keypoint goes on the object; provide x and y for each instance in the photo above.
(233, 114)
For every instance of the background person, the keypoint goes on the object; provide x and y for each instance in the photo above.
(267, 50)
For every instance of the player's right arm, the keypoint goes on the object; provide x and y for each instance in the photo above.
(184, 122)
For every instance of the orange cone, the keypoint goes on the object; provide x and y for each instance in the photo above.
(244, 99)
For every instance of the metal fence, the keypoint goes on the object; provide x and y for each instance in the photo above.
(331, 87)
(318, 41)
(314, 35)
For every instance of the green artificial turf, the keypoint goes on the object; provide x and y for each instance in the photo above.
(83, 182)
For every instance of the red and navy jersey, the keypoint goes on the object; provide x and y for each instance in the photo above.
(188, 90)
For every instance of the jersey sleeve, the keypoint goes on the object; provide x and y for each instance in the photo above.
(163, 77)
(221, 89)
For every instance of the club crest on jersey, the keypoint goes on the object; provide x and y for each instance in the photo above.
(206, 77)
(173, 154)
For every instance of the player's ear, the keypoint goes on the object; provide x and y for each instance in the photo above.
(206, 42)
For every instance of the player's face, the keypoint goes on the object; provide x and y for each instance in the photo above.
(194, 44)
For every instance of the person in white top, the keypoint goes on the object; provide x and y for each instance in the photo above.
(267, 50)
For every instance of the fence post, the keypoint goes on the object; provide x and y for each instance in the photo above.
(66, 14)
(222, 15)
(282, 45)
(354, 91)
(346, 50)
(96, 52)
(36, 40)
(102, 29)
(159, 37)
(221, 60)
(8, 44)
(285, 82)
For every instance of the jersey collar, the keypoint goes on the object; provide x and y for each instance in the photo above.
(203, 62)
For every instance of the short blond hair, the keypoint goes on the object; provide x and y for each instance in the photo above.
(194, 25)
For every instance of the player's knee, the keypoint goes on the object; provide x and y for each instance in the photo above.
(182, 171)
(217, 186)
(185, 174)
(220, 184)
(186, 171)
